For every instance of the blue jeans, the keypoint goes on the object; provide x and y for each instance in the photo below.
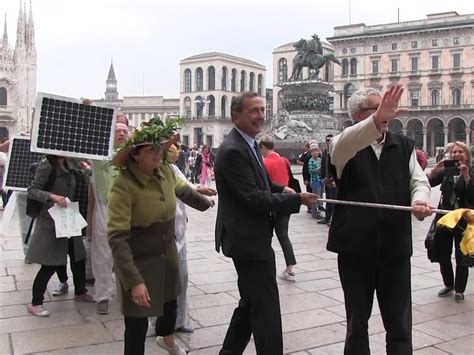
(317, 188)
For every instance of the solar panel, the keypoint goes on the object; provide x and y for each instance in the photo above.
(66, 127)
(20, 158)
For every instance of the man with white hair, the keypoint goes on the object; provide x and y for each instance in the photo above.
(374, 246)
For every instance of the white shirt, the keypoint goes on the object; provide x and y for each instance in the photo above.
(353, 139)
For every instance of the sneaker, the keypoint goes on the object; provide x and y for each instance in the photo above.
(176, 350)
(85, 297)
(323, 221)
(459, 297)
(62, 288)
(38, 310)
(103, 307)
(288, 276)
(445, 291)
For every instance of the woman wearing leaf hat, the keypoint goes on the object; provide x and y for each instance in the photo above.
(142, 204)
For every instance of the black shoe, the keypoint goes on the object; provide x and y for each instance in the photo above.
(323, 221)
(90, 281)
(185, 330)
(445, 291)
(459, 297)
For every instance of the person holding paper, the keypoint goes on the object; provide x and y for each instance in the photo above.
(44, 247)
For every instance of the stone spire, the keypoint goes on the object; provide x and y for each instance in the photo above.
(30, 30)
(111, 93)
(5, 36)
(20, 29)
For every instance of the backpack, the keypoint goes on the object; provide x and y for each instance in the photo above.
(33, 207)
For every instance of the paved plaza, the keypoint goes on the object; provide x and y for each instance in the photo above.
(312, 307)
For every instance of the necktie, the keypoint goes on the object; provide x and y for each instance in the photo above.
(260, 163)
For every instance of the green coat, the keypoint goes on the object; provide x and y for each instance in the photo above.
(141, 235)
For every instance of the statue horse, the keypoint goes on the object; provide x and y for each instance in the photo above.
(313, 61)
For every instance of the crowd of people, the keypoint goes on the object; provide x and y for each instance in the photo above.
(137, 221)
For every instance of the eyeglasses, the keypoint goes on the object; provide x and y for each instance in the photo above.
(370, 108)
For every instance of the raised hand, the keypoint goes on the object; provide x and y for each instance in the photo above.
(388, 108)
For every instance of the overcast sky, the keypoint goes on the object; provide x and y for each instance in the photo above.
(76, 39)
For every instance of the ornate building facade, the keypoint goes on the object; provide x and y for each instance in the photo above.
(433, 59)
(208, 82)
(18, 76)
(137, 108)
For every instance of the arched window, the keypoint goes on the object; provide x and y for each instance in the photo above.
(456, 97)
(252, 82)
(224, 79)
(3, 97)
(211, 78)
(187, 80)
(243, 80)
(434, 98)
(233, 81)
(348, 91)
(199, 79)
(260, 88)
(187, 106)
(353, 66)
(345, 67)
(223, 106)
(212, 106)
(199, 106)
(282, 70)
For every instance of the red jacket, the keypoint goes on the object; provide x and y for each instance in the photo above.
(277, 168)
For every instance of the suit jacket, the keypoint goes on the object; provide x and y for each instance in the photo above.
(247, 202)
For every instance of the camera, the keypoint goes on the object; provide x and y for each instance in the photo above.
(451, 167)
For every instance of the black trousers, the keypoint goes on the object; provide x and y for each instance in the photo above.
(281, 230)
(391, 281)
(445, 240)
(136, 329)
(44, 274)
(331, 192)
(258, 311)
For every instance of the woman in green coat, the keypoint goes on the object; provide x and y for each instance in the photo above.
(142, 204)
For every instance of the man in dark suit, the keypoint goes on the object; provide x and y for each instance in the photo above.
(247, 202)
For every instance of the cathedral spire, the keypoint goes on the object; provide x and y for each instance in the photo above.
(5, 35)
(20, 29)
(30, 29)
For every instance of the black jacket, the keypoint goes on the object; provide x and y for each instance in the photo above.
(247, 201)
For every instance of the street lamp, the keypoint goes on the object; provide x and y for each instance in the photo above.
(201, 102)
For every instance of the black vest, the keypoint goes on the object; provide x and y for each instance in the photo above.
(366, 231)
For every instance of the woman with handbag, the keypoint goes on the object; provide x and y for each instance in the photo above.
(457, 191)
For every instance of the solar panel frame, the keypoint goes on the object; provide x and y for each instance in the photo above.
(19, 148)
(60, 120)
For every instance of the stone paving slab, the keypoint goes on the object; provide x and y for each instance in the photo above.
(313, 313)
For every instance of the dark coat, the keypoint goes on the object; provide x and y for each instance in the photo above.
(244, 225)
(44, 247)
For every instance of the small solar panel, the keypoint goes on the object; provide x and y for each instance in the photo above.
(65, 126)
(20, 158)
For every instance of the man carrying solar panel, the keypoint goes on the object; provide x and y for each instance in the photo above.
(102, 177)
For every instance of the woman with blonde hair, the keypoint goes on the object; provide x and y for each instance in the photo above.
(457, 191)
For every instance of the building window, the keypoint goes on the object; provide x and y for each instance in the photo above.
(456, 60)
(199, 79)
(353, 50)
(375, 48)
(415, 96)
(344, 51)
(212, 106)
(393, 65)
(434, 98)
(282, 70)
(434, 42)
(375, 67)
(435, 62)
(211, 78)
(353, 66)
(233, 80)
(252, 82)
(345, 67)
(456, 97)
(187, 80)
(224, 79)
(414, 44)
(243, 81)
(260, 87)
(456, 41)
(394, 46)
(348, 91)
(3, 97)
(414, 63)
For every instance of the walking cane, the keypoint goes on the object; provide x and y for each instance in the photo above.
(378, 205)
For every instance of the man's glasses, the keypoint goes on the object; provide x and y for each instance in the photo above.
(370, 108)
